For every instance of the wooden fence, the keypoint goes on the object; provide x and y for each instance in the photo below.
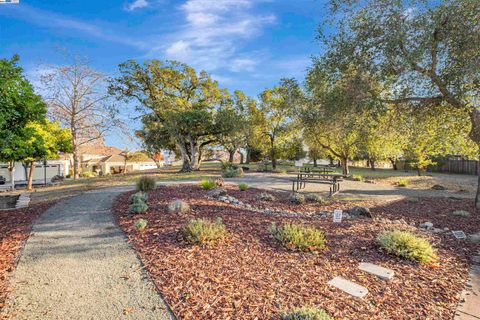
(456, 166)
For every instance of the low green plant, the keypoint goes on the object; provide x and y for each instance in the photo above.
(299, 237)
(138, 197)
(140, 224)
(313, 197)
(461, 213)
(243, 186)
(357, 177)
(305, 313)
(207, 184)
(138, 207)
(203, 232)
(407, 245)
(403, 182)
(297, 198)
(232, 172)
(146, 183)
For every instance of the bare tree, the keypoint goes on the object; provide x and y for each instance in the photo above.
(77, 97)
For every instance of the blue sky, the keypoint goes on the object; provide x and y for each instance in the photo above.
(244, 44)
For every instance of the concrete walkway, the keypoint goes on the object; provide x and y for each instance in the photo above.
(77, 264)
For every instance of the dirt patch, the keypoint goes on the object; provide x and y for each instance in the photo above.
(250, 277)
(15, 226)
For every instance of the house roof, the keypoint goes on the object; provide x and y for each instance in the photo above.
(99, 149)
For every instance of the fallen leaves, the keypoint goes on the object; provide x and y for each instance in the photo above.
(252, 277)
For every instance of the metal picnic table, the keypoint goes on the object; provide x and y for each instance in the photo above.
(333, 179)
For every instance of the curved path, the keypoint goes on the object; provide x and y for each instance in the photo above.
(77, 264)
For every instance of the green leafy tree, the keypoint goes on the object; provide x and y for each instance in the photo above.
(275, 117)
(44, 140)
(426, 50)
(336, 110)
(181, 104)
(19, 105)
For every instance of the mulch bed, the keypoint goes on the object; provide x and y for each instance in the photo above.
(15, 226)
(250, 277)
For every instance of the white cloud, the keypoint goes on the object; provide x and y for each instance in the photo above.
(137, 4)
(214, 33)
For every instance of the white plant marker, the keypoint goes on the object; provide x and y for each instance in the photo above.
(337, 216)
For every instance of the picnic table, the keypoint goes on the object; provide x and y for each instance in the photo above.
(322, 169)
(332, 179)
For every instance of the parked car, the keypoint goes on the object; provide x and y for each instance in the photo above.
(2, 180)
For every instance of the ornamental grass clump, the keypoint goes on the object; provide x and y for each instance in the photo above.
(207, 184)
(299, 237)
(146, 183)
(203, 232)
(243, 186)
(178, 206)
(403, 182)
(407, 245)
(232, 172)
(305, 313)
(297, 198)
(140, 224)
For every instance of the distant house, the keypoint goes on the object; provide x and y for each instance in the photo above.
(100, 159)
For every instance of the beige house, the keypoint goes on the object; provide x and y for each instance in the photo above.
(101, 159)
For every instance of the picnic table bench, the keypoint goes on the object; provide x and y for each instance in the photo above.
(332, 179)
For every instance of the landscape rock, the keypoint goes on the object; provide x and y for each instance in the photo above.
(426, 225)
(475, 238)
(438, 187)
(359, 211)
(265, 197)
(217, 192)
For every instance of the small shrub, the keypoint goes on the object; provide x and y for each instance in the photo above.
(86, 174)
(141, 224)
(266, 197)
(313, 197)
(243, 186)
(138, 207)
(305, 313)
(461, 213)
(146, 183)
(178, 206)
(403, 182)
(357, 177)
(407, 245)
(232, 172)
(297, 198)
(207, 184)
(203, 232)
(138, 197)
(298, 237)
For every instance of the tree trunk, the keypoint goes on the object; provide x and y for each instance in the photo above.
(194, 155)
(11, 169)
(345, 169)
(274, 163)
(315, 164)
(241, 158)
(30, 176)
(247, 160)
(331, 161)
(372, 164)
(231, 155)
(475, 136)
(76, 165)
(394, 163)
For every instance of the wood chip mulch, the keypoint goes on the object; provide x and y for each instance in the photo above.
(250, 277)
(15, 226)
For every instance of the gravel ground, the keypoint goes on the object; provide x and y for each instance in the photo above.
(77, 264)
(350, 189)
